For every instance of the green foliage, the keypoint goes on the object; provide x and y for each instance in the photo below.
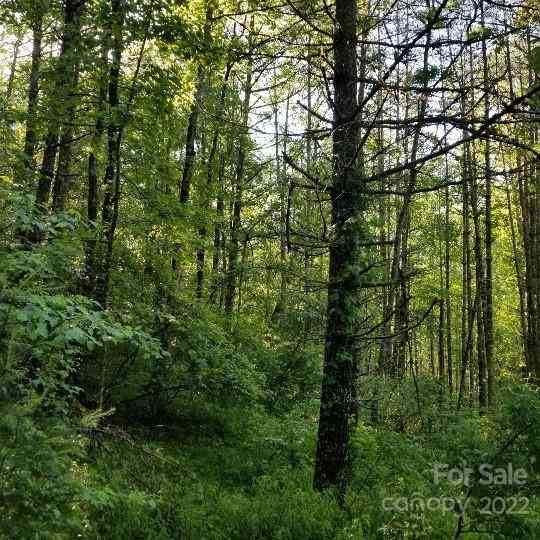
(201, 364)
(256, 481)
(157, 416)
(48, 335)
(478, 34)
(431, 17)
(534, 100)
(394, 490)
(425, 75)
(535, 59)
(255, 484)
(38, 487)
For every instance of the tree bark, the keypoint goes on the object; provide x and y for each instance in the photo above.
(63, 95)
(283, 185)
(480, 288)
(13, 69)
(218, 248)
(332, 457)
(30, 137)
(234, 242)
(490, 364)
(448, 301)
(466, 308)
(111, 199)
(92, 197)
(399, 285)
(210, 173)
(184, 188)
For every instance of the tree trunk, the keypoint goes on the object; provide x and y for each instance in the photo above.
(210, 172)
(63, 179)
(466, 308)
(89, 284)
(283, 184)
(518, 267)
(490, 364)
(441, 345)
(398, 273)
(109, 212)
(338, 369)
(519, 258)
(234, 242)
(218, 250)
(447, 262)
(33, 95)
(191, 135)
(480, 288)
(13, 68)
(529, 195)
(64, 90)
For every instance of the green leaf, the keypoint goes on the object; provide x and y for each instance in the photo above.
(431, 17)
(478, 34)
(75, 334)
(24, 315)
(535, 60)
(424, 75)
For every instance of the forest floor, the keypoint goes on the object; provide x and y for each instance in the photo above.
(237, 474)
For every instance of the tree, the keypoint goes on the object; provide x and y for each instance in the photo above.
(338, 368)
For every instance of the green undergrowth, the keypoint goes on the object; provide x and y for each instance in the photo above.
(232, 473)
(160, 422)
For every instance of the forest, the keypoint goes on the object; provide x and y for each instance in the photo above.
(269, 270)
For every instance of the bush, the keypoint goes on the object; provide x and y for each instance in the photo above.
(38, 489)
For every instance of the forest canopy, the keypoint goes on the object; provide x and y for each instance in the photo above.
(269, 269)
